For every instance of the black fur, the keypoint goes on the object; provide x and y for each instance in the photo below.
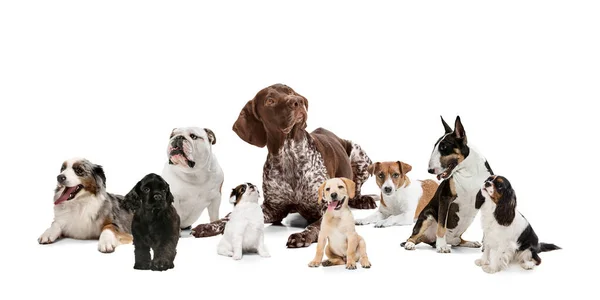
(489, 169)
(479, 200)
(507, 202)
(528, 240)
(155, 223)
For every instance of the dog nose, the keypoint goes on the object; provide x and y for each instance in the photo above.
(61, 178)
(431, 171)
(387, 189)
(158, 197)
(333, 196)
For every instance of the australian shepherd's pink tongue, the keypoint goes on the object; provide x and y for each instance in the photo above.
(332, 205)
(65, 195)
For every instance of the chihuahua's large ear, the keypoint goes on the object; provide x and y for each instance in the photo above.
(459, 130)
(447, 127)
(249, 127)
(506, 207)
(350, 186)
(321, 188)
(404, 167)
(132, 200)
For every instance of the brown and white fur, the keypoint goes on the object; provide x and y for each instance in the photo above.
(338, 237)
(84, 210)
(452, 210)
(298, 162)
(508, 236)
(401, 200)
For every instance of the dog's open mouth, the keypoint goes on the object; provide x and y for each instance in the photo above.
(180, 159)
(446, 173)
(68, 194)
(335, 205)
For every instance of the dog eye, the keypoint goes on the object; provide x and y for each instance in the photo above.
(443, 147)
(270, 101)
(146, 189)
(193, 136)
(380, 175)
(327, 189)
(340, 187)
(396, 175)
(78, 171)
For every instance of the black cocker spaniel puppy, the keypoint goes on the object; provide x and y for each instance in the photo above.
(155, 223)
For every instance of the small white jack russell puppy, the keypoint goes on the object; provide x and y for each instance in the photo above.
(244, 231)
(401, 200)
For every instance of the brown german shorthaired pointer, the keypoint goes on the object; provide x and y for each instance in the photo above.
(298, 162)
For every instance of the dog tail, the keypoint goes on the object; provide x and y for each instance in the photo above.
(544, 247)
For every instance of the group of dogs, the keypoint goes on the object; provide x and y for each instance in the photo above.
(315, 174)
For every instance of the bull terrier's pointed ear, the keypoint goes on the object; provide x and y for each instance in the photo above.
(447, 127)
(249, 127)
(459, 130)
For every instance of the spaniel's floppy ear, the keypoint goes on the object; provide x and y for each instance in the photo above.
(350, 186)
(321, 188)
(212, 138)
(249, 127)
(506, 207)
(132, 200)
(447, 127)
(404, 167)
(170, 198)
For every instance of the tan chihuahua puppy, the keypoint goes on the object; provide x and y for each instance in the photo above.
(344, 245)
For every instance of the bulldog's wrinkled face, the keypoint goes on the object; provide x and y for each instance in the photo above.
(189, 145)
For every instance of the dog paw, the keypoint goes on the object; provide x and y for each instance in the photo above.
(107, 242)
(360, 222)
(381, 224)
(142, 265)
(468, 244)
(264, 254)
(444, 249)
(351, 266)
(301, 239)
(528, 265)
(410, 246)
(316, 264)
(480, 262)
(488, 269)
(206, 230)
(363, 202)
(161, 265)
(237, 256)
(365, 263)
(47, 238)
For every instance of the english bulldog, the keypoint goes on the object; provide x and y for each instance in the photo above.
(194, 174)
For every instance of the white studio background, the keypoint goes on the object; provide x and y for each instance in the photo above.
(108, 80)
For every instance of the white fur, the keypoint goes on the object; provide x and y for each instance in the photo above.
(500, 242)
(78, 218)
(195, 189)
(244, 231)
(468, 177)
(400, 207)
(434, 160)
